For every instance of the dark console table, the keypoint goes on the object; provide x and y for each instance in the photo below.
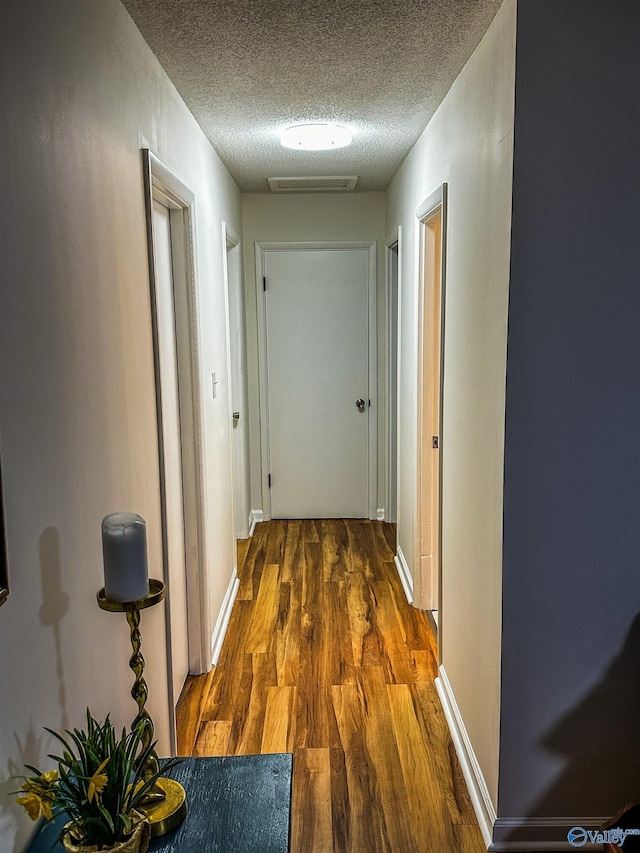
(236, 803)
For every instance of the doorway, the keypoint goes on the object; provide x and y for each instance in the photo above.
(236, 337)
(318, 411)
(171, 451)
(173, 313)
(432, 226)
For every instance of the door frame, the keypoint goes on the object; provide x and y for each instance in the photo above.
(392, 343)
(424, 213)
(237, 379)
(263, 387)
(161, 184)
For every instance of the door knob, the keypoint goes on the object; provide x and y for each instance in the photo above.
(360, 404)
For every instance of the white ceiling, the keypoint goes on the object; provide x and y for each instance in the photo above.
(247, 68)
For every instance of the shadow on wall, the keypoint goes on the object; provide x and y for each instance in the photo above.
(599, 741)
(55, 604)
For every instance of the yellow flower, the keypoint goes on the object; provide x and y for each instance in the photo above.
(97, 781)
(32, 804)
(45, 805)
(39, 795)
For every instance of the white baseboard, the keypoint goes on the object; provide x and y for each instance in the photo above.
(405, 574)
(223, 618)
(478, 791)
(255, 517)
(380, 513)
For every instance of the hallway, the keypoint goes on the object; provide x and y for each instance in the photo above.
(325, 658)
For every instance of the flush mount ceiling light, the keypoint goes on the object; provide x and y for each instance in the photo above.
(316, 137)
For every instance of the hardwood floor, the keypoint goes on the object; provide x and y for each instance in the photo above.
(325, 658)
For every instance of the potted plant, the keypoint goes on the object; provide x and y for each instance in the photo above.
(98, 783)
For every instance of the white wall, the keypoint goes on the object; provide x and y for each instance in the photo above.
(307, 217)
(82, 93)
(468, 144)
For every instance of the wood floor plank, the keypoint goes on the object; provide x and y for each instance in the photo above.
(225, 693)
(376, 558)
(359, 556)
(213, 738)
(385, 759)
(365, 640)
(340, 804)
(335, 550)
(189, 711)
(416, 628)
(280, 719)
(249, 736)
(275, 542)
(311, 530)
(292, 551)
(380, 814)
(424, 665)
(287, 635)
(312, 727)
(362, 829)
(340, 647)
(396, 653)
(453, 789)
(381, 545)
(251, 570)
(221, 694)
(311, 807)
(242, 549)
(239, 625)
(261, 633)
(391, 535)
(233, 693)
(431, 821)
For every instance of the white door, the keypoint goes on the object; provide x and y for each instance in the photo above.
(170, 449)
(317, 322)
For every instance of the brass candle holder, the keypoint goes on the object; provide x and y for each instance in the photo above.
(166, 805)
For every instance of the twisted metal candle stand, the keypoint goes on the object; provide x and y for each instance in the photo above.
(166, 805)
(140, 692)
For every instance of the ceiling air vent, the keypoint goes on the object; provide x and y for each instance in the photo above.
(325, 184)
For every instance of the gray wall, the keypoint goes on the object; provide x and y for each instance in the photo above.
(570, 738)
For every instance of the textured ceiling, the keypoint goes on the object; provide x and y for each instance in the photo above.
(247, 68)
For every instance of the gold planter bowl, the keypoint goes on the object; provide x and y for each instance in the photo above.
(136, 842)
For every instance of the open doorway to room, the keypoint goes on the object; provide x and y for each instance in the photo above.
(173, 312)
(432, 226)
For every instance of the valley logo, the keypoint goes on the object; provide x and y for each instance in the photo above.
(578, 836)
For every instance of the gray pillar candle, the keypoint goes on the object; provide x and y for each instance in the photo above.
(124, 548)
